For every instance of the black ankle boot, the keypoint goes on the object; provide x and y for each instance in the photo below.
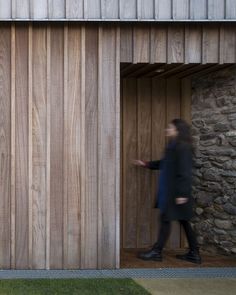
(153, 254)
(192, 256)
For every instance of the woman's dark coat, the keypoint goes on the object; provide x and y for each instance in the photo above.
(179, 177)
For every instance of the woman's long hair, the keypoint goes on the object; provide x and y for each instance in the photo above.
(184, 132)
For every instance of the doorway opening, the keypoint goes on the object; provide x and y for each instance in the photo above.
(151, 96)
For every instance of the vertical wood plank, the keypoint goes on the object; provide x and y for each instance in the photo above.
(48, 145)
(175, 44)
(22, 212)
(66, 157)
(22, 9)
(227, 43)
(210, 44)
(129, 180)
(144, 152)
(39, 141)
(89, 229)
(230, 9)
(198, 9)
(107, 147)
(180, 9)
(110, 9)
(158, 108)
(75, 9)
(163, 9)
(13, 146)
(118, 151)
(173, 111)
(216, 9)
(56, 8)
(193, 43)
(158, 45)
(5, 147)
(39, 9)
(30, 152)
(128, 9)
(57, 153)
(92, 9)
(5, 9)
(72, 147)
(126, 43)
(141, 35)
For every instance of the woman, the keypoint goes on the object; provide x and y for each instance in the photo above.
(174, 193)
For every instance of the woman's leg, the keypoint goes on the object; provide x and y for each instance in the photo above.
(156, 252)
(190, 234)
(193, 254)
(164, 233)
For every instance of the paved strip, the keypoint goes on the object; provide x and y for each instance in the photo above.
(173, 286)
(212, 272)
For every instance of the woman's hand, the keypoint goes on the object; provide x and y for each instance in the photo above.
(181, 201)
(139, 163)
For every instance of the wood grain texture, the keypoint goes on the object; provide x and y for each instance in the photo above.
(198, 9)
(107, 147)
(90, 228)
(126, 43)
(72, 144)
(30, 142)
(210, 44)
(13, 146)
(175, 44)
(158, 42)
(141, 37)
(227, 44)
(56, 148)
(144, 153)
(5, 147)
(5, 9)
(193, 43)
(22, 221)
(180, 9)
(158, 107)
(75, 9)
(118, 151)
(39, 140)
(129, 172)
(48, 146)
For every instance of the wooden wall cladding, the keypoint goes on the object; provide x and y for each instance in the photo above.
(59, 122)
(60, 132)
(147, 107)
(178, 43)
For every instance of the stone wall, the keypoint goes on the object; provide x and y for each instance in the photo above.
(214, 182)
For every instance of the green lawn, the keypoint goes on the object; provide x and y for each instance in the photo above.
(71, 286)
